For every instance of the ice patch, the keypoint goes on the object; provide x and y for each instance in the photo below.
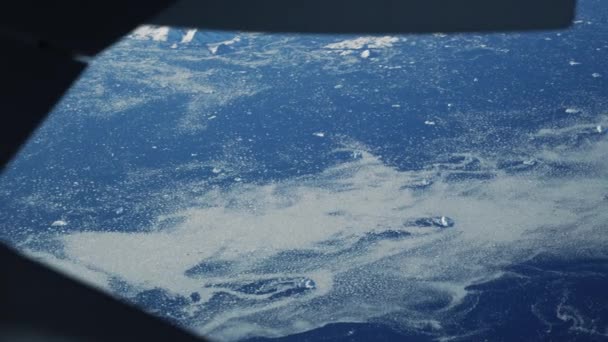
(365, 54)
(596, 75)
(572, 110)
(59, 223)
(319, 134)
(430, 123)
(574, 63)
(282, 232)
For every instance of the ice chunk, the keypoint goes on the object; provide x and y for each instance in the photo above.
(572, 110)
(187, 38)
(59, 223)
(319, 134)
(365, 54)
(430, 123)
(277, 287)
(437, 221)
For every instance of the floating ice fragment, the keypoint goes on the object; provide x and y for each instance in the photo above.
(365, 54)
(277, 287)
(596, 75)
(59, 223)
(216, 170)
(396, 106)
(338, 86)
(154, 147)
(119, 211)
(599, 128)
(573, 62)
(572, 110)
(212, 117)
(438, 221)
(419, 185)
(187, 38)
(319, 134)
(237, 179)
(430, 123)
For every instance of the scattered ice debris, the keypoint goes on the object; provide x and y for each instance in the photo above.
(389, 234)
(119, 211)
(274, 288)
(511, 166)
(419, 185)
(438, 221)
(596, 75)
(572, 110)
(429, 122)
(573, 62)
(365, 54)
(319, 134)
(216, 170)
(59, 223)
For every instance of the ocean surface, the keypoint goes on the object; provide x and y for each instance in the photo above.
(251, 186)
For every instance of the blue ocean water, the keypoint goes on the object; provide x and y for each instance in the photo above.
(310, 187)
